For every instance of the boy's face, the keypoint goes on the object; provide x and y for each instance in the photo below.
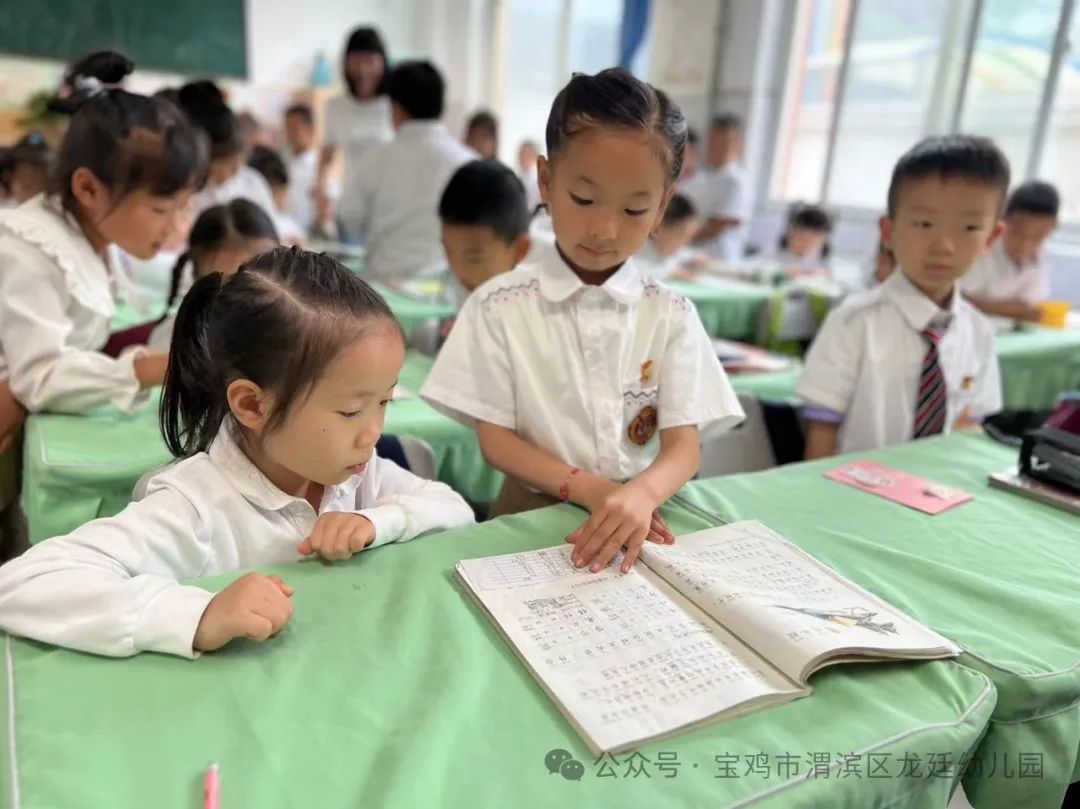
(298, 133)
(476, 254)
(939, 228)
(1025, 234)
(805, 242)
(724, 145)
(482, 141)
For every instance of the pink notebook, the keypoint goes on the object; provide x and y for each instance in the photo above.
(892, 484)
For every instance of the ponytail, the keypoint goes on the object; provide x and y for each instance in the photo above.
(193, 402)
(177, 277)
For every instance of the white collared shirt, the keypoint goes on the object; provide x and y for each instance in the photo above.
(303, 174)
(571, 368)
(56, 304)
(112, 586)
(245, 184)
(866, 362)
(997, 277)
(396, 200)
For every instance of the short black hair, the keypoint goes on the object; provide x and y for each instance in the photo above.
(726, 120)
(364, 39)
(204, 103)
(485, 192)
(128, 141)
(615, 98)
(303, 112)
(1034, 197)
(483, 119)
(949, 157)
(679, 209)
(269, 164)
(809, 217)
(418, 88)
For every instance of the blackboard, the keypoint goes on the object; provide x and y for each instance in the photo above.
(204, 37)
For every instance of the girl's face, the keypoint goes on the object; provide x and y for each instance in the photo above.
(366, 69)
(140, 223)
(331, 434)
(606, 190)
(805, 242)
(228, 258)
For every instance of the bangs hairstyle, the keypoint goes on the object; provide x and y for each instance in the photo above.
(278, 322)
(952, 157)
(128, 141)
(364, 40)
(613, 98)
(485, 192)
(809, 217)
(205, 105)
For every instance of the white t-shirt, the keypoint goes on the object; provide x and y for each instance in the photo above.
(395, 200)
(724, 193)
(590, 374)
(112, 586)
(303, 174)
(355, 126)
(866, 362)
(56, 305)
(245, 184)
(998, 277)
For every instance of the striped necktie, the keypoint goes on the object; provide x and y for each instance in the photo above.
(931, 401)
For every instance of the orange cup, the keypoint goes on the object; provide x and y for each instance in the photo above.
(1053, 313)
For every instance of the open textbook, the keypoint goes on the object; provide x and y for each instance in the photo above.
(723, 622)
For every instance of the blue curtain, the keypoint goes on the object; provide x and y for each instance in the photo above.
(635, 21)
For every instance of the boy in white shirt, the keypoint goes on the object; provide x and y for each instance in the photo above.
(398, 184)
(912, 358)
(724, 195)
(302, 163)
(1011, 279)
(667, 243)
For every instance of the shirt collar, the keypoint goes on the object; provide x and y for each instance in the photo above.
(917, 309)
(251, 483)
(558, 282)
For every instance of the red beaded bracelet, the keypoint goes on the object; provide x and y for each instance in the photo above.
(564, 490)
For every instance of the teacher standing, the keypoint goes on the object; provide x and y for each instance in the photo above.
(355, 120)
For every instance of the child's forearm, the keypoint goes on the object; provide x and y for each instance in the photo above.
(1015, 308)
(509, 453)
(822, 439)
(678, 461)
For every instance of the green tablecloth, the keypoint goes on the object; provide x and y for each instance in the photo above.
(413, 310)
(78, 468)
(1037, 365)
(128, 315)
(728, 309)
(1000, 576)
(390, 689)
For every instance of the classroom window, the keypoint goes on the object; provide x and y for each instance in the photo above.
(866, 79)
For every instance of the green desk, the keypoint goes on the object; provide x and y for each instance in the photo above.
(1000, 576)
(389, 689)
(776, 386)
(78, 468)
(1036, 365)
(728, 309)
(412, 310)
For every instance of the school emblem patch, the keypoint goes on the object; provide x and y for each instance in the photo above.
(643, 427)
(646, 371)
(967, 382)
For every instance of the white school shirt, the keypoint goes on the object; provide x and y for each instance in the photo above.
(564, 365)
(246, 183)
(998, 277)
(355, 126)
(303, 174)
(112, 586)
(396, 200)
(56, 304)
(866, 362)
(726, 195)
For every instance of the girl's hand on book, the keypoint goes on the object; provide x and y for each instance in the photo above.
(623, 519)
